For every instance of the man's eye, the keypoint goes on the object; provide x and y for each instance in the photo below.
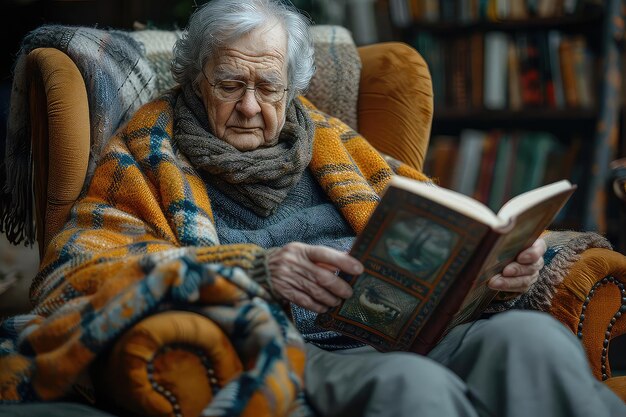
(267, 88)
(230, 87)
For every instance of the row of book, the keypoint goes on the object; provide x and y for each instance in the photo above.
(497, 70)
(494, 166)
(405, 12)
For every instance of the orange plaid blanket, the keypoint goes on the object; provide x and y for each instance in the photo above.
(143, 240)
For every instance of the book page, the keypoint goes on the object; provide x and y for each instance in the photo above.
(532, 216)
(539, 209)
(524, 201)
(465, 205)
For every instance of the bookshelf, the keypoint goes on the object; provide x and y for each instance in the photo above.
(531, 81)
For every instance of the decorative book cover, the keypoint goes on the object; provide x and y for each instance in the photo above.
(422, 258)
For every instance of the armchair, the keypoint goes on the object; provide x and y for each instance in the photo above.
(618, 174)
(172, 363)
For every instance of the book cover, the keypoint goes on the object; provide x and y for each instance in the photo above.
(427, 251)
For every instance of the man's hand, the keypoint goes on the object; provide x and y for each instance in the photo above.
(305, 275)
(520, 275)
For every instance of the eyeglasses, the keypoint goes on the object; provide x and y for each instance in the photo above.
(234, 90)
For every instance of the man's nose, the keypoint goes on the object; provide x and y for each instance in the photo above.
(248, 105)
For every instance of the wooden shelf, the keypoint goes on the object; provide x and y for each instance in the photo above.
(590, 20)
(525, 115)
(451, 121)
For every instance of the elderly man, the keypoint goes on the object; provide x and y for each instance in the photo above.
(221, 180)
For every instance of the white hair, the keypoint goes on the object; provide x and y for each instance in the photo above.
(219, 22)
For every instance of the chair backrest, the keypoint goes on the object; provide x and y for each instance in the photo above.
(390, 100)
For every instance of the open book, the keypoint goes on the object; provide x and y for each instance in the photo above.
(428, 253)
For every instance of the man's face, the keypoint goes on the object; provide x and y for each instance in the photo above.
(259, 57)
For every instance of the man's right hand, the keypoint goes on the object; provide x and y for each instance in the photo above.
(306, 275)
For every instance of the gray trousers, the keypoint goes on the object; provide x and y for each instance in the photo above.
(515, 364)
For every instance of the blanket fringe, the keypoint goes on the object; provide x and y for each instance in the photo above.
(128, 74)
(16, 178)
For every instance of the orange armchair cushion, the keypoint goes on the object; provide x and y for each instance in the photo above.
(395, 106)
(168, 363)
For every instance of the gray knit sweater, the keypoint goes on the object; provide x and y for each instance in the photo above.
(306, 215)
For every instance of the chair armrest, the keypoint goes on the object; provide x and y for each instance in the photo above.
(591, 301)
(395, 106)
(59, 119)
(169, 364)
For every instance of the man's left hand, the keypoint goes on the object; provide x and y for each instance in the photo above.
(521, 274)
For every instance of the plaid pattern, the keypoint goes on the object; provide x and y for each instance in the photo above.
(143, 239)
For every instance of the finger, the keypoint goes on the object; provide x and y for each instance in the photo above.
(305, 301)
(533, 253)
(320, 284)
(328, 267)
(311, 285)
(327, 280)
(512, 284)
(337, 259)
(291, 266)
(322, 295)
(516, 269)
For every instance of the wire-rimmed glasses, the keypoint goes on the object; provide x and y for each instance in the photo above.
(234, 90)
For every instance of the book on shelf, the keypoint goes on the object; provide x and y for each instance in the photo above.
(583, 72)
(476, 53)
(505, 158)
(568, 72)
(530, 70)
(441, 158)
(486, 167)
(514, 79)
(495, 76)
(467, 167)
(547, 72)
(428, 254)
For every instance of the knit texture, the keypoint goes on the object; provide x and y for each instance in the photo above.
(334, 89)
(564, 249)
(143, 239)
(259, 179)
(307, 216)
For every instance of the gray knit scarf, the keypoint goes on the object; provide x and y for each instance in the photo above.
(259, 179)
